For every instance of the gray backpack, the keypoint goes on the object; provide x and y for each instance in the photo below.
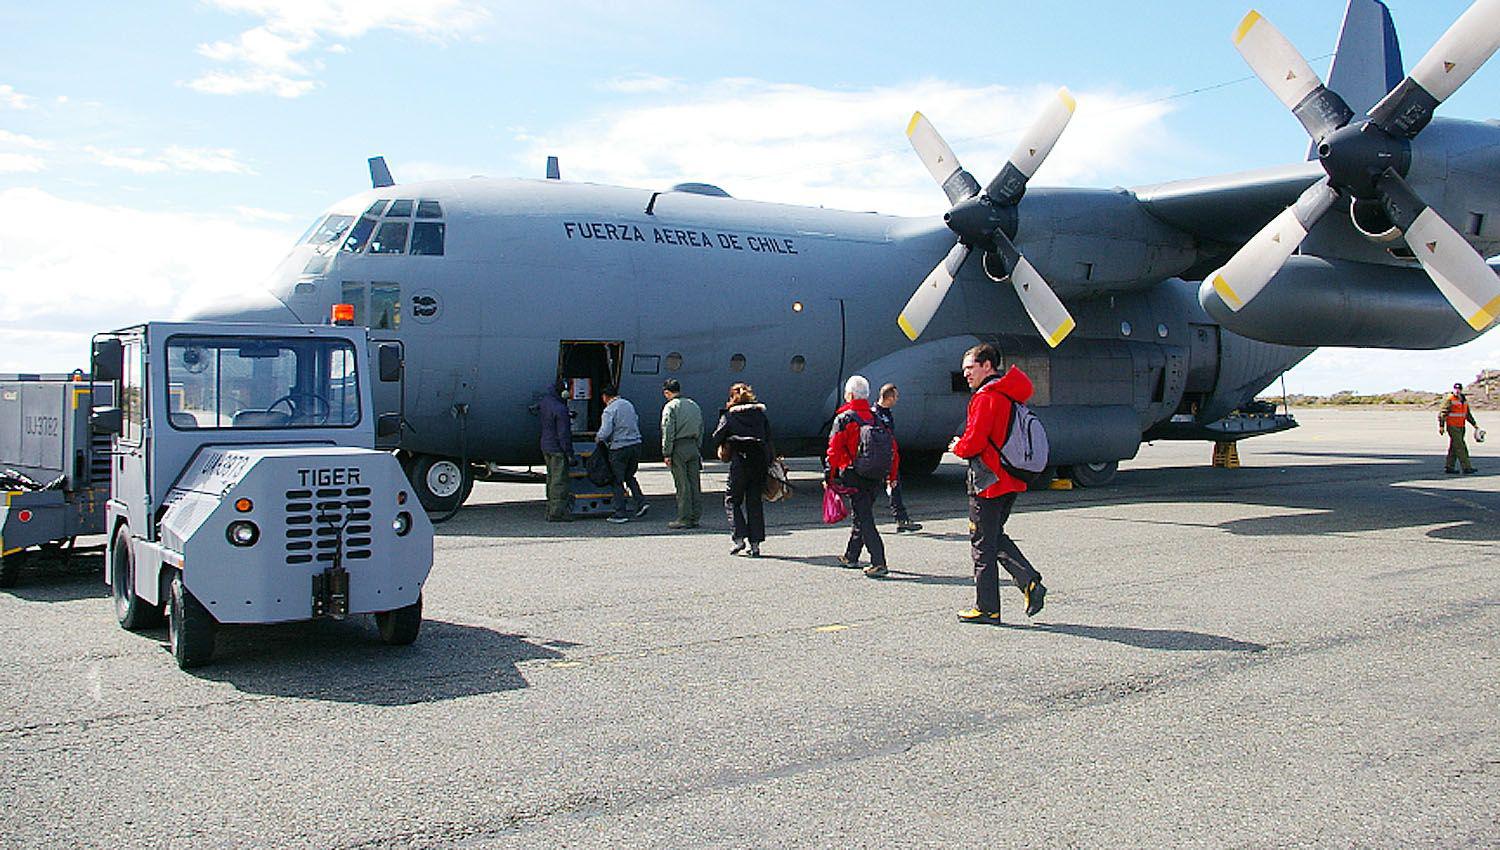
(1024, 454)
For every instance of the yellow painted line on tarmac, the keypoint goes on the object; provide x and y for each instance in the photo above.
(831, 627)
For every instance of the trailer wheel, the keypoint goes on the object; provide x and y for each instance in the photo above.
(400, 627)
(190, 628)
(10, 568)
(133, 612)
(919, 463)
(1094, 474)
(442, 483)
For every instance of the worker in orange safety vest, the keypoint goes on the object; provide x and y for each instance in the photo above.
(1451, 420)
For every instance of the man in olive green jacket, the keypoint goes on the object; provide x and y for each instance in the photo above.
(681, 434)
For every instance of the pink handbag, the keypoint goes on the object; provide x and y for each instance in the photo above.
(835, 509)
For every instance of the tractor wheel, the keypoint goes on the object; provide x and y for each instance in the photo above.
(133, 612)
(400, 627)
(190, 628)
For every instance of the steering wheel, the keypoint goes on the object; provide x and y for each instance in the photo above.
(294, 406)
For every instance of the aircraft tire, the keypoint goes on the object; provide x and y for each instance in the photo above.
(133, 612)
(442, 483)
(10, 568)
(400, 627)
(1093, 474)
(190, 628)
(918, 463)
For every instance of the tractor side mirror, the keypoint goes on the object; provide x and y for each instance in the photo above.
(388, 425)
(106, 420)
(389, 357)
(109, 360)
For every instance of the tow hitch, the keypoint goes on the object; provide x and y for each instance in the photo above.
(330, 593)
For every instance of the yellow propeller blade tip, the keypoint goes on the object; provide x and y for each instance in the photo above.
(906, 328)
(1249, 21)
(1486, 315)
(1067, 98)
(1061, 333)
(1221, 286)
(911, 126)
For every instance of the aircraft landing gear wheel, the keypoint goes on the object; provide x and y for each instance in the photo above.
(133, 612)
(920, 463)
(10, 568)
(441, 482)
(190, 628)
(400, 627)
(1094, 474)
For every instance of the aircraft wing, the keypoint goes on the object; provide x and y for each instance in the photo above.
(1223, 212)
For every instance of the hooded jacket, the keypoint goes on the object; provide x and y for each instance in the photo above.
(843, 441)
(747, 430)
(984, 432)
(557, 425)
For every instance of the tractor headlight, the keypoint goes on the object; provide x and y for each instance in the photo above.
(401, 524)
(242, 533)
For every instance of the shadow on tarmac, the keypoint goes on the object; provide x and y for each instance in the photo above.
(1169, 640)
(346, 662)
(50, 578)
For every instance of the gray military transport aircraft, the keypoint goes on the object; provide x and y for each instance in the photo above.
(499, 287)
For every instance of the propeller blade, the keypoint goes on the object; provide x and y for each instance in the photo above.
(1052, 319)
(1460, 273)
(957, 183)
(924, 303)
(1449, 64)
(1032, 150)
(1258, 260)
(1278, 64)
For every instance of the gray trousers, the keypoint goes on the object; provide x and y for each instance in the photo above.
(558, 498)
(687, 480)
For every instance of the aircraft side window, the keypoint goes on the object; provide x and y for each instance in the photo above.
(674, 362)
(427, 238)
(399, 209)
(799, 363)
(375, 209)
(330, 230)
(429, 209)
(359, 236)
(385, 306)
(354, 293)
(390, 238)
(737, 363)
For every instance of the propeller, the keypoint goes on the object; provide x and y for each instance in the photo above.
(1368, 161)
(985, 219)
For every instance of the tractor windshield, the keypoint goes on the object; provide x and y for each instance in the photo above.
(217, 382)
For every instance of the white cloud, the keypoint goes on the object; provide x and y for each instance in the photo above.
(173, 158)
(640, 84)
(9, 97)
(845, 148)
(258, 214)
(22, 140)
(69, 269)
(1368, 370)
(14, 163)
(268, 58)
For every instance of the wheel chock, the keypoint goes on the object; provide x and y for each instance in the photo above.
(1226, 455)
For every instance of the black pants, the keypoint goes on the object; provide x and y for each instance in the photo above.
(898, 505)
(624, 462)
(990, 543)
(742, 501)
(863, 534)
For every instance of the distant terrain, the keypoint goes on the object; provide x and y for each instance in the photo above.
(1483, 393)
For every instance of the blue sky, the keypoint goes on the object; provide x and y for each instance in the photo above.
(156, 156)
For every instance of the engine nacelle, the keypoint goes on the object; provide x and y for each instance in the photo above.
(1317, 302)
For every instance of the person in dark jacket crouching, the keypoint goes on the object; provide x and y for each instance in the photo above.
(845, 465)
(746, 431)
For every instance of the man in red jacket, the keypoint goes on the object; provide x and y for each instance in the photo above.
(845, 463)
(992, 490)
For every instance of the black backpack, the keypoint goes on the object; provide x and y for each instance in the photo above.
(877, 450)
(597, 466)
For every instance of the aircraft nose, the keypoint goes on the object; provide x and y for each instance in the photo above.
(249, 307)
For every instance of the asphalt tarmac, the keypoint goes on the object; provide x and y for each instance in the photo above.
(1299, 652)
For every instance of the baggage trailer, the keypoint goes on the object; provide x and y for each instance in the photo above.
(54, 473)
(246, 486)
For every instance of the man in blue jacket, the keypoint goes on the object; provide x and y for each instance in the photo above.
(557, 448)
(620, 429)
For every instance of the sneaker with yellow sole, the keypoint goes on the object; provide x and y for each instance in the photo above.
(974, 615)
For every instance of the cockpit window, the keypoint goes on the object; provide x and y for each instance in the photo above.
(390, 238)
(330, 230)
(399, 209)
(361, 234)
(429, 209)
(427, 238)
(375, 208)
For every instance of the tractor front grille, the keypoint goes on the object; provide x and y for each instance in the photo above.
(317, 519)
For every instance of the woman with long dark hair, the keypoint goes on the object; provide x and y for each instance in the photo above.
(744, 439)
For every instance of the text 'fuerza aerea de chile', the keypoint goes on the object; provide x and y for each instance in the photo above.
(606, 232)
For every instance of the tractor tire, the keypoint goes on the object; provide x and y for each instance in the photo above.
(400, 627)
(190, 628)
(133, 612)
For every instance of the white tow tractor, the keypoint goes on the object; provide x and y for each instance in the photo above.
(246, 485)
